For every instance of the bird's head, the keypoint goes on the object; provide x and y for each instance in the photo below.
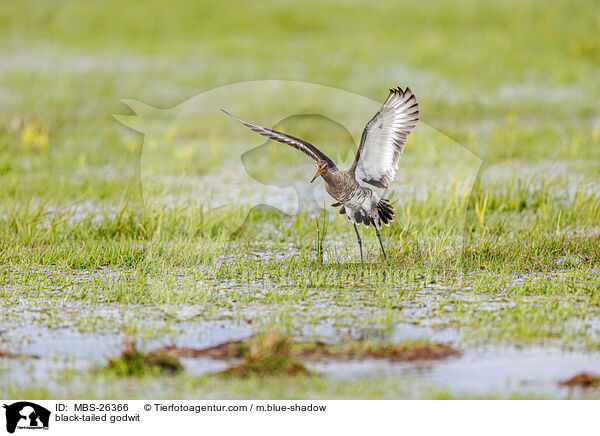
(322, 167)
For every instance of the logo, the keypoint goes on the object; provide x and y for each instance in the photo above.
(26, 415)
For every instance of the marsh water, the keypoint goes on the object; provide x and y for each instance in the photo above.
(480, 370)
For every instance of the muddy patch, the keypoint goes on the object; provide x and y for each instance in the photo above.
(226, 350)
(582, 380)
(405, 352)
(8, 355)
(409, 351)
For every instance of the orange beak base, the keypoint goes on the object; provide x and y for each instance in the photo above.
(316, 175)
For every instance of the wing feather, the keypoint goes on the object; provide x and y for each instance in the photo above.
(384, 139)
(299, 144)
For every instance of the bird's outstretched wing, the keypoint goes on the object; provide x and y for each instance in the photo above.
(299, 144)
(384, 138)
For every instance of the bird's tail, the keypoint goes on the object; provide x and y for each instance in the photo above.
(386, 211)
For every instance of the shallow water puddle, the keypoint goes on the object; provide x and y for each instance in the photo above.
(479, 371)
(76, 336)
(483, 371)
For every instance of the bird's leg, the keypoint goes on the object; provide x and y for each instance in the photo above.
(380, 243)
(359, 242)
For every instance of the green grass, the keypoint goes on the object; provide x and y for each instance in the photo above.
(134, 363)
(515, 260)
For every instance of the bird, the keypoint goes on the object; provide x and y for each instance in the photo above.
(375, 164)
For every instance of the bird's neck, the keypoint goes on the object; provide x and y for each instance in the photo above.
(330, 176)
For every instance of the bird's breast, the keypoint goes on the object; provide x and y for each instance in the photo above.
(355, 198)
(345, 189)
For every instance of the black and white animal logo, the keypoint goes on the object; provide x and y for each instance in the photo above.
(26, 415)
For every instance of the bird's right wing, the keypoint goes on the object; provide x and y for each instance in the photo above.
(384, 138)
(299, 144)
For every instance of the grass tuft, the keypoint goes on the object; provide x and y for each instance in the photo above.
(269, 355)
(134, 363)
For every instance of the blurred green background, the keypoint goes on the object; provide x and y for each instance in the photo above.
(509, 79)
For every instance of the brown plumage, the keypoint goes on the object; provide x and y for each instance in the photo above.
(376, 161)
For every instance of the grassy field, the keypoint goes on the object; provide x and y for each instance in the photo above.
(496, 244)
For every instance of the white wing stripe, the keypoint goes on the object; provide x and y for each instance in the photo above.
(384, 138)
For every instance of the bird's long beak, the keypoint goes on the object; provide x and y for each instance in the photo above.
(317, 175)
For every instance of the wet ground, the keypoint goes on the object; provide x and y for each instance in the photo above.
(481, 370)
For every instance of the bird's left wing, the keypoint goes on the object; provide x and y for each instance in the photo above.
(299, 144)
(384, 138)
